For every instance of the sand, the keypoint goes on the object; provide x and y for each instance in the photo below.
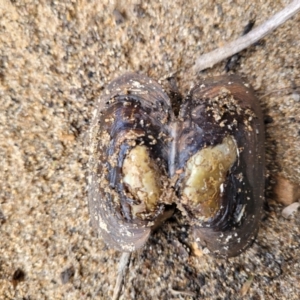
(56, 57)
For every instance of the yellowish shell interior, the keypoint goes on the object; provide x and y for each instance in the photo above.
(142, 178)
(205, 174)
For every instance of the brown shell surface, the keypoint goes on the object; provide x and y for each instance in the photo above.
(133, 111)
(136, 110)
(227, 106)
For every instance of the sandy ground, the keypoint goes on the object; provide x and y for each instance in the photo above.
(55, 60)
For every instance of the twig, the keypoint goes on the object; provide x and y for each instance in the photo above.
(184, 293)
(209, 59)
(124, 260)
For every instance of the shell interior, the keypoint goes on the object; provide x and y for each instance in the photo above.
(205, 175)
(142, 178)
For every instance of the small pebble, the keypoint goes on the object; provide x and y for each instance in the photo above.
(290, 210)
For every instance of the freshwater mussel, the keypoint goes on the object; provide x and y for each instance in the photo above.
(206, 161)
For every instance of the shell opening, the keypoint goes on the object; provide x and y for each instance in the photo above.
(142, 179)
(205, 175)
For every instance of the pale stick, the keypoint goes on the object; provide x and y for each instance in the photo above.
(210, 59)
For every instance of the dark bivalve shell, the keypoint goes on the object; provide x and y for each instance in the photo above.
(208, 160)
(222, 188)
(128, 162)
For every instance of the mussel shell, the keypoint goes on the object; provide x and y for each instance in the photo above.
(134, 110)
(235, 225)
